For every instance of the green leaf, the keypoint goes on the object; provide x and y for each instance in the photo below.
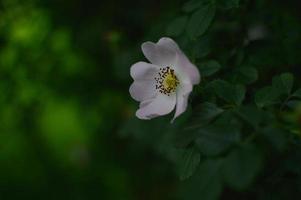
(206, 183)
(241, 166)
(246, 75)
(251, 114)
(297, 93)
(192, 5)
(231, 93)
(200, 20)
(228, 118)
(284, 83)
(293, 104)
(276, 137)
(202, 47)
(228, 4)
(215, 139)
(203, 114)
(207, 111)
(266, 96)
(177, 26)
(185, 136)
(188, 162)
(209, 68)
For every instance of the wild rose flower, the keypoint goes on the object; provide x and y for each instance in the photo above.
(165, 83)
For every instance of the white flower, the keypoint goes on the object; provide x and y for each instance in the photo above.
(165, 83)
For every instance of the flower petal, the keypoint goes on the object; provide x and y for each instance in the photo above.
(182, 99)
(183, 61)
(184, 88)
(145, 103)
(161, 105)
(143, 70)
(142, 90)
(182, 102)
(159, 54)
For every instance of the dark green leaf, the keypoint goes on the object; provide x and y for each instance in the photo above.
(192, 5)
(266, 96)
(228, 4)
(297, 93)
(215, 139)
(202, 47)
(200, 20)
(276, 137)
(207, 111)
(234, 94)
(284, 83)
(177, 26)
(228, 118)
(246, 75)
(241, 166)
(206, 183)
(251, 114)
(203, 114)
(293, 104)
(209, 68)
(240, 56)
(188, 162)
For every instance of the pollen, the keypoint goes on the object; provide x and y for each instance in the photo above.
(166, 81)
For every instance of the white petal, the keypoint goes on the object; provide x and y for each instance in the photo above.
(183, 61)
(145, 103)
(161, 105)
(182, 99)
(181, 106)
(143, 70)
(168, 42)
(144, 81)
(159, 54)
(142, 90)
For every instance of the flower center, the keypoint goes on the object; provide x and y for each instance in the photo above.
(166, 81)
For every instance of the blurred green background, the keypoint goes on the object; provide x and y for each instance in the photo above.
(67, 124)
(64, 68)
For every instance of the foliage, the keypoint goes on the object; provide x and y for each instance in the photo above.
(244, 113)
(67, 124)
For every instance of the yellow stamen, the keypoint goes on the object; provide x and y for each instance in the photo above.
(167, 81)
